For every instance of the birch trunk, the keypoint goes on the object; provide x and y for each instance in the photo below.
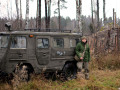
(78, 15)
(27, 14)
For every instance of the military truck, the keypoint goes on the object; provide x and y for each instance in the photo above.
(40, 51)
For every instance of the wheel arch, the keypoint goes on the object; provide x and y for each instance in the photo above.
(29, 67)
(72, 62)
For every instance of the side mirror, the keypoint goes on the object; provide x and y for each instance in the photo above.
(8, 25)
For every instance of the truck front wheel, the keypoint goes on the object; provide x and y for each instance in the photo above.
(69, 71)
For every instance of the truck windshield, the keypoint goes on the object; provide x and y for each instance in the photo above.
(4, 41)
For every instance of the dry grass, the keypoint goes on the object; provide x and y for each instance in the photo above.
(110, 61)
(103, 76)
(99, 80)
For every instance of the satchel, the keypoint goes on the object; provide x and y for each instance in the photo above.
(76, 58)
(81, 54)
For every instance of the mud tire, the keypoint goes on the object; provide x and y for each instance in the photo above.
(20, 75)
(69, 72)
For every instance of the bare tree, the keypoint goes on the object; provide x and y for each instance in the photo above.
(59, 14)
(20, 15)
(92, 10)
(113, 18)
(98, 24)
(104, 14)
(61, 5)
(27, 14)
(11, 9)
(17, 9)
(8, 10)
(39, 16)
(49, 12)
(78, 14)
(46, 19)
(92, 24)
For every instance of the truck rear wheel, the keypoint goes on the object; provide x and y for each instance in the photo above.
(69, 71)
(20, 74)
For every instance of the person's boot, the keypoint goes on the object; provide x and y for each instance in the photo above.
(78, 72)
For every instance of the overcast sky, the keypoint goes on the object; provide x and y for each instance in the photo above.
(70, 11)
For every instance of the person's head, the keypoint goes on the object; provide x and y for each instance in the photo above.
(84, 39)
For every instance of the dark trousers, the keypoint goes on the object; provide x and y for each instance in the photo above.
(86, 67)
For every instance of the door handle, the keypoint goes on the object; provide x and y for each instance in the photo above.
(20, 55)
(44, 54)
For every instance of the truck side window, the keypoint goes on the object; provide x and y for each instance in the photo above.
(58, 42)
(4, 41)
(77, 41)
(72, 43)
(18, 42)
(43, 43)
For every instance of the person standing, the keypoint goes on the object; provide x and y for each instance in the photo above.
(83, 56)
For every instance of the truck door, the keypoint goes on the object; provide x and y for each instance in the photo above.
(18, 49)
(43, 49)
(4, 39)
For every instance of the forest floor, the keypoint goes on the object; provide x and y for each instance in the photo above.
(101, 78)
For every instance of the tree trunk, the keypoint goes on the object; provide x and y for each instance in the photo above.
(98, 25)
(93, 26)
(17, 9)
(59, 18)
(113, 18)
(20, 15)
(49, 12)
(78, 15)
(8, 11)
(104, 15)
(92, 10)
(37, 13)
(27, 14)
(46, 19)
(39, 16)
(11, 9)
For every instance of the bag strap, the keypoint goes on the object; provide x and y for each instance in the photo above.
(84, 50)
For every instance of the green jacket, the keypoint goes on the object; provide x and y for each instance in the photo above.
(80, 49)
